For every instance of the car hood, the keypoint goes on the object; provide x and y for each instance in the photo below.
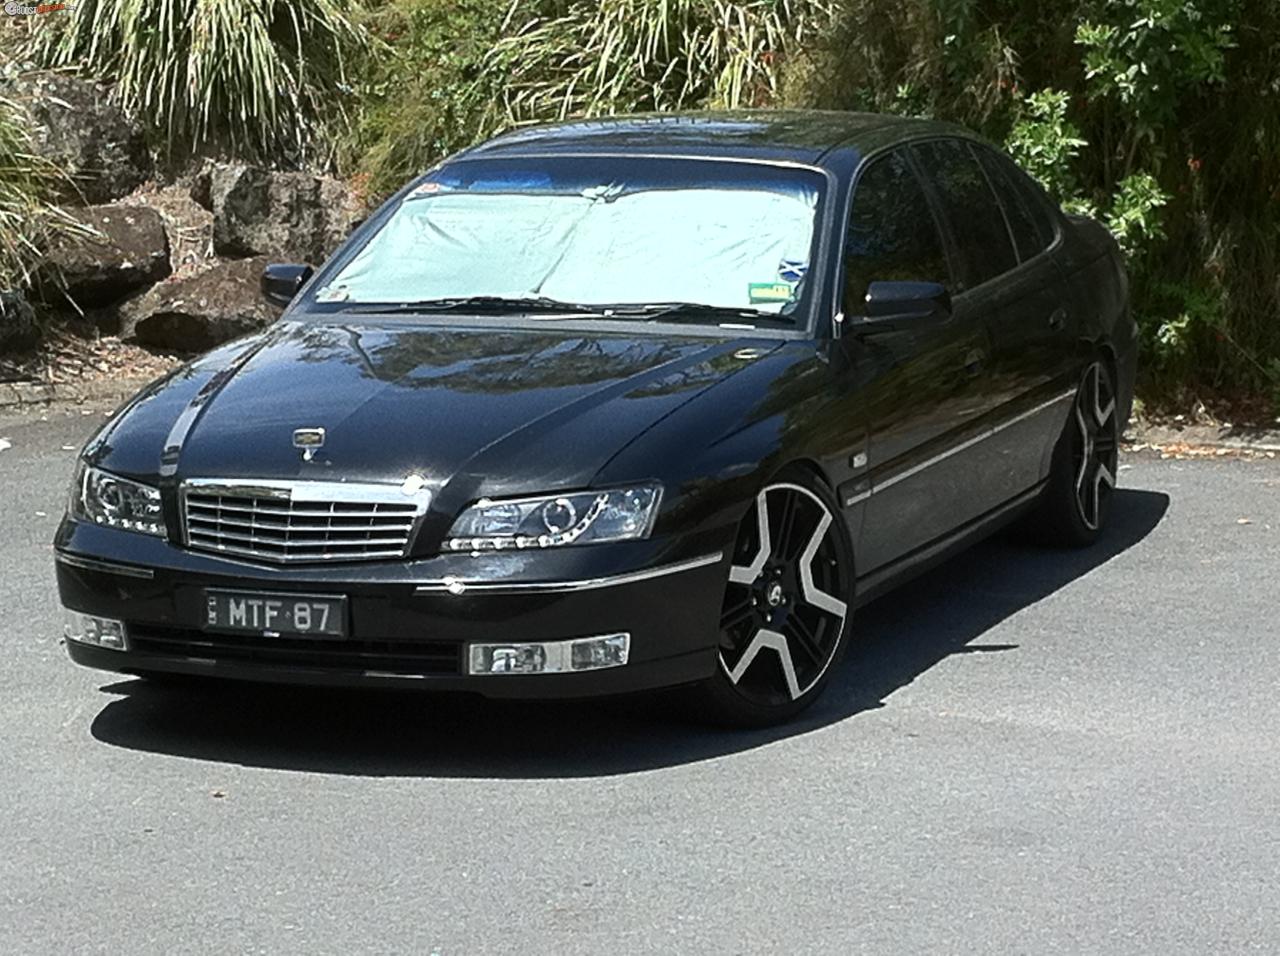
(485, 410)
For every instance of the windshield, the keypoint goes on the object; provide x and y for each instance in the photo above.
(596, 231)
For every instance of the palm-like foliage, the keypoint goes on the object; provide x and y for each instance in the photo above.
(606, 56)
(259, 77)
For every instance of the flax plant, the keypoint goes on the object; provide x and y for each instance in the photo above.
(258, 78)
(611, 56)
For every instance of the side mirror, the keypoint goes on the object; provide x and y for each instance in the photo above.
(282, 280)
(893, 306)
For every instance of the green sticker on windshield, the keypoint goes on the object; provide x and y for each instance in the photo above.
(758, 292)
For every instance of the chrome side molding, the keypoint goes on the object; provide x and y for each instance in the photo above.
(881, 485)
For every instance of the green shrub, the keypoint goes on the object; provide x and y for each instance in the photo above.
(1161, 117)
(1134, 217)
(257, 78)
(1146, 53)
(1047, 145)
(426, 91)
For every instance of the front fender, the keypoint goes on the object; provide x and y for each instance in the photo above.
(715, 453)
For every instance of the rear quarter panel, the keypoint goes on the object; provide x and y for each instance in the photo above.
(1093, 266)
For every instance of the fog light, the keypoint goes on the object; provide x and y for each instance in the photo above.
(551, 657)
(88, 629)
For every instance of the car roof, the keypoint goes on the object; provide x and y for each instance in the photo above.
(802, 136)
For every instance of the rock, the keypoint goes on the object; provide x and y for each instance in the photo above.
(18, 327)
(344, 210)
(202, 186)
(74, 124)
(130, 252)
(198, 312)
(289, 217)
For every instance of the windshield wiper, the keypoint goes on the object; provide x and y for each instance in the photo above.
(553, 308)
(696, 311)
(496, 304)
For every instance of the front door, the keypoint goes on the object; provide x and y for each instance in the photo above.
(922, 390)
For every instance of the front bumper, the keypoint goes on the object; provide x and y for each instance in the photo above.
(410, 623)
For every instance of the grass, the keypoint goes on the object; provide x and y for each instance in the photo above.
(29, 219)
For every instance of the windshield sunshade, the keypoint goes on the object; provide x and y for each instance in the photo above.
(717, 234)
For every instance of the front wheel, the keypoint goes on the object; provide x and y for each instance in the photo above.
(785, 617)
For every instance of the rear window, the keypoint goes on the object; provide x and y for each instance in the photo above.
(1024, 208)
(985, 248)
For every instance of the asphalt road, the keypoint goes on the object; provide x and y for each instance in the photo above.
(1028, 751)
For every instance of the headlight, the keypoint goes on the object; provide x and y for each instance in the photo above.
(548, 521)
(116, 502)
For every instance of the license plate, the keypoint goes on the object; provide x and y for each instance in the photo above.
(276, 615)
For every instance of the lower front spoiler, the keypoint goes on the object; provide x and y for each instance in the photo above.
(638, 676)
(410, 632)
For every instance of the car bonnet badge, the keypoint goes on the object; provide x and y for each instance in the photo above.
(308, 439)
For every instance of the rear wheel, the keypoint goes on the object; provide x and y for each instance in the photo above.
(1082, 480)
(785, 616)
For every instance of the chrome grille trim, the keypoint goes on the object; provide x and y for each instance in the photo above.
(97, 564)
(289, 522)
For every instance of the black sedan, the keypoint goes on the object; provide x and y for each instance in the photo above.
(615, 405)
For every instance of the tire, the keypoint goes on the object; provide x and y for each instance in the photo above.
(1076, 503)
(785, 617)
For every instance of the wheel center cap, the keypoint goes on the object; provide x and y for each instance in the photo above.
(773, 594)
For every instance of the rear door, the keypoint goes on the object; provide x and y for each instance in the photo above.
(1013, 300)
(1033, 334)
(920, 389)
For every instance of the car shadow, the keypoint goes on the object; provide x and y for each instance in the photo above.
(899, 637)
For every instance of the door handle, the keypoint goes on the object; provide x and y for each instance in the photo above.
(1057, 319)
(973, 362)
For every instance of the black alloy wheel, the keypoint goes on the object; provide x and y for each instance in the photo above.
(1077, 500)
(1095, 450)
(786, 613)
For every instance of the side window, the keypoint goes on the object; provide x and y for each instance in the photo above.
(977, 223)
(892, 232)
(1024, 207)
(1044, 210)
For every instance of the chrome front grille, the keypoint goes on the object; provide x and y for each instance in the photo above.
(303, 521)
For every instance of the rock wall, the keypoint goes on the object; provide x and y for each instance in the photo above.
(123, 276)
